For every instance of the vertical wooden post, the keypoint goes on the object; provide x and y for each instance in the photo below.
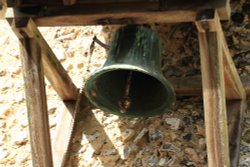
(213, 92)
(36, 102)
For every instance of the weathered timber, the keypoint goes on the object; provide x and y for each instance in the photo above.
(62, 84)
(117, 18)
(64, 128)
(225, 12)
(235, 114)
(69, 2)
(164, 4)
(3, 8)
(233, 84)
(67, 127)
(213, 93)
(36, 103)
(187, 86)
(110, 13)
(53, 69)
(192, 86)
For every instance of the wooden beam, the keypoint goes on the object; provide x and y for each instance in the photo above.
(233, 84)
(225, 11)
(117, 18)
(69, 2)
(108, 13)
(162, 4)
(210, 43)
(3, 9)
(192, 86)
(53, 69)
(186, 86)
(64, 131)
(66, 128)
(235, 114)
(58, 77)
(36, 102)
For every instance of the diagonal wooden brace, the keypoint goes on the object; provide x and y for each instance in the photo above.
(220, 81)
(54, 71)
(210, 22)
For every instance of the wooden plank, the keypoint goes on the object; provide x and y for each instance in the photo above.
(186, 86)
(58, 77)
(225, 12)
(234, 87)
(213, 94)
(69, 2)
(36, 103)
(3, 9)
(117, 18)
(108, 13)
(163, 4)
(66, 128)
(191, 86)
(235, 114)
(53, 69)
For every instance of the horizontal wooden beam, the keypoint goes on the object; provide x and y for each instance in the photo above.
(117, 18)
(163, 4)
(191, 86)
(69, 2)
(109, 13)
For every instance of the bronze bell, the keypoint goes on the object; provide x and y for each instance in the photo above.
(131, 82)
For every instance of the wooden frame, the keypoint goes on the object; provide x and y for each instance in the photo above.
(36, 102)
(220, 81)
(137, 12)
(223, 92)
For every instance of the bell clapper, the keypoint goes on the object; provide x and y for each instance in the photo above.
(125, 102)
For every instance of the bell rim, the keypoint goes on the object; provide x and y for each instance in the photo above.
(115, 67)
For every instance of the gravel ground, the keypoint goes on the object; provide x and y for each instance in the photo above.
(173, 139)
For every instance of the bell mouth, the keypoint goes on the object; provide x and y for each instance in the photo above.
(148, 95)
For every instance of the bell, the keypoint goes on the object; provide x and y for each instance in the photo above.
(131, 82)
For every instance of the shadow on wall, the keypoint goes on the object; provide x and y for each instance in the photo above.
(104, 140)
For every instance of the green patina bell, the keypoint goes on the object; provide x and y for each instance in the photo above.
(131, 82)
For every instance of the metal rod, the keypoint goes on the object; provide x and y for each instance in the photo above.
(125, 102)
(105, 46)
(128, 84)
